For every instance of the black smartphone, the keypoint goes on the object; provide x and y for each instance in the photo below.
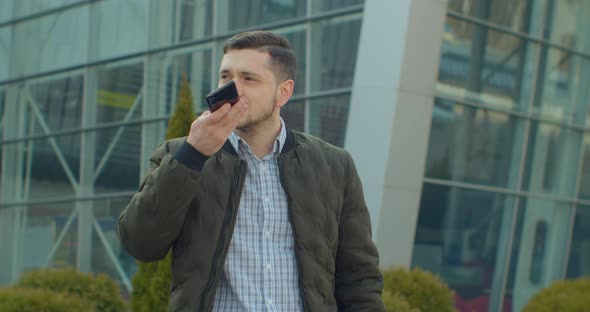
(224, 94)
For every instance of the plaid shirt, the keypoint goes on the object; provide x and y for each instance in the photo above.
(260, 271)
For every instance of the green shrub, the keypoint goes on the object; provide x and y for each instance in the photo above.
(180, 122)
(421, 289)
(40, 300)
(396, 303)
(140, 299)
(151, 286)
(100, 290)
(570, 296)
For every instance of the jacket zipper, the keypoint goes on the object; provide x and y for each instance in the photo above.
(221, 247)
(290, 208)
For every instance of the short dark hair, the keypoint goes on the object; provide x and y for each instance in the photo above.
(283, 59)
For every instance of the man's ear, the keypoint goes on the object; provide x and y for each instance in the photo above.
(284, 92)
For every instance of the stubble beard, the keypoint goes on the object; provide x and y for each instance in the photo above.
(253, 126)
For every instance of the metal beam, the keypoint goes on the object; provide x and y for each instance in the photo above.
(525, 36)
(117, 136)
(159, 27)
(493, 189)
(52, 142)
(26, 188)
(161, 50)
(65, 199)
(60, 238)
(161, 117)
(113, 257)
(46, 13)
(524, 115)
(88, 150)
(11, 188)
(479, 40)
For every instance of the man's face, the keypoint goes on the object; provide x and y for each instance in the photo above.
(256, 84)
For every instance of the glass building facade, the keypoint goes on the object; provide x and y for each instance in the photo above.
(86, 90)
(87, 87)
(504, 207)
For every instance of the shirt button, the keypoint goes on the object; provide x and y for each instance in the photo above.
(269, 301)
(268, 267)
(266, 199)
(267, 233)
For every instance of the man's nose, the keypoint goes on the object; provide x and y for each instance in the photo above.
(238, 87)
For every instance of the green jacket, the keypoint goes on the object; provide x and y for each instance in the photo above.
(189, 202)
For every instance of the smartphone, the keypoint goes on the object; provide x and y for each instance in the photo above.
(224, 94)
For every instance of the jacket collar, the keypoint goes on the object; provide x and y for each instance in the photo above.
(289, 145)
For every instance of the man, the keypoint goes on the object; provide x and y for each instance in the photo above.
(259, 217)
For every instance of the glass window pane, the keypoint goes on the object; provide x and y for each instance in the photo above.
(517, 15)
(570, 24)
(461, 236)
(121, 27)
(51, 42)
(50, 166)
(579, 257)
(119, 87)
(240, 14)
(298, 42)
(486, 66)
(537, 255)
(551, 164)
(44, 225)
(173, 22)
(334, 52)
(58, 100)
(3, 106)
(117, 159)
(563, 90)
(294, 115)
(6, 10)
(327, 5)
(106, 214)
(4, 53)
(196, 66)
(585, 169)
(2, 101)
(29, 7)
(195, 19)
(474, 145)
(328, 118)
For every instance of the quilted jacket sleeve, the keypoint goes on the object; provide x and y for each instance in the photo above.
(358, 281)
(155, 215)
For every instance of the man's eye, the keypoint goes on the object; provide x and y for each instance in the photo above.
(249, 79)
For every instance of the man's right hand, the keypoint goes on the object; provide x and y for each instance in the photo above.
(210, 130)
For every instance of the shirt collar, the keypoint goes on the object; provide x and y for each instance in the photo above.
(235, 139)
